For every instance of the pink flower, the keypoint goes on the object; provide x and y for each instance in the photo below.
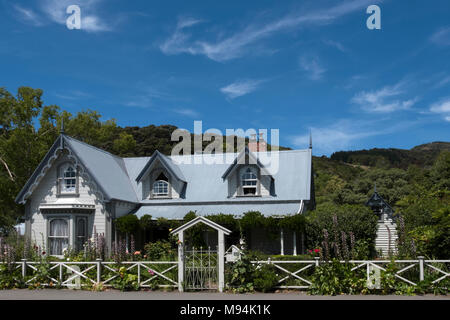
(316, 250)
(137, 252)
(151, 271)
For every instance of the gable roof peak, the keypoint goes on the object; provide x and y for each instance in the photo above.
(238, 161)
(166, 162)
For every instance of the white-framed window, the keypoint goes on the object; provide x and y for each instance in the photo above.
(249, 182)
(160, 187)
(58, 236)
(69, 180)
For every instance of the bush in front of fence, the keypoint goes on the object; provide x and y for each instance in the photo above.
(333, 278)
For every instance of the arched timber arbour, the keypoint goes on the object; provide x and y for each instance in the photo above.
(221, 232)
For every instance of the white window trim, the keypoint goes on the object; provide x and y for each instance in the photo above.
(50, 219)
(158, 195)
(154, 178)
(72, 221)
(241, 186)
(62, 168)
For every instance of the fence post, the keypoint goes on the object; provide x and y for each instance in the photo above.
(99, 270)
(60, 273)
(139, 273)
(421, 268)
(24, 268)
(317, 261)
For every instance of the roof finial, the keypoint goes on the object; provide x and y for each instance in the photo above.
(310, 139)
(375, 187)
(62, 126)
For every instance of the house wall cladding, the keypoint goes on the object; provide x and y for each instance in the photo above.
(46, 193)
(386, 240)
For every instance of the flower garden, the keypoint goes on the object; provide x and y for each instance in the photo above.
(339, 264)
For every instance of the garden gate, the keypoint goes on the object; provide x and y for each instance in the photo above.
(196, 269)
(200, 269)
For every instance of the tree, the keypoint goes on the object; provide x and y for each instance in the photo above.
(27, 131)
(440, 172)
(356, 219)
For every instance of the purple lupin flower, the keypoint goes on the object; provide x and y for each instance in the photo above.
(352, 244)
(345, 246)
(336, 237)
(133, 247)
(325, 245)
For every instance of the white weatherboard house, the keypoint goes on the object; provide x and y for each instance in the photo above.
(79, 189)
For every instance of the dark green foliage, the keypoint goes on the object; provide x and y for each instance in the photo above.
(127, 224)
(423, 155)
(254, 219)
(126, 280)
(265, 278)
(160, 251)
(355, 219)
(240, 278)
(333, 278)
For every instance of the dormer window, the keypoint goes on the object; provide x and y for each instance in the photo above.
(161, 186)
(67, 180)
(249, 182)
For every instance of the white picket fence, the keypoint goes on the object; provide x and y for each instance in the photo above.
(289, 270)
(370, 266)
(69, 272)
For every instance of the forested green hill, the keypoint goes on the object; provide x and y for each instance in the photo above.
(422, 156)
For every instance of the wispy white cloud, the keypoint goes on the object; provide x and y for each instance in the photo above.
(240, 88)
(336, 44)
(443, 82)
(146, 96)
(442, 107)
(27, 16)
(384, 100)
(176, 43)
(236, 45)
(90, 21)
(186, 112)
(312, 67)
(441, 36)
(72, 95)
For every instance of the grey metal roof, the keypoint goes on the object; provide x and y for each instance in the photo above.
(205, 184)
(109, 171)
(166, 162)
(237, 209)
(205, 190)
(241, 159)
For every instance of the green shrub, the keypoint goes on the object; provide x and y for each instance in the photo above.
(333, 278)
(126, 281)
(10, 279)
(242, 275)
(265, 278)
(159, 250)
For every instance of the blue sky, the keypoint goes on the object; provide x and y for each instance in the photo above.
(295, 66)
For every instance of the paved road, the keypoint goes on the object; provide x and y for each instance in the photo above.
(65, 294)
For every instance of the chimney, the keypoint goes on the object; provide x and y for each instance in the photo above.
(257, 146)
(252, 143)
(262, 144)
